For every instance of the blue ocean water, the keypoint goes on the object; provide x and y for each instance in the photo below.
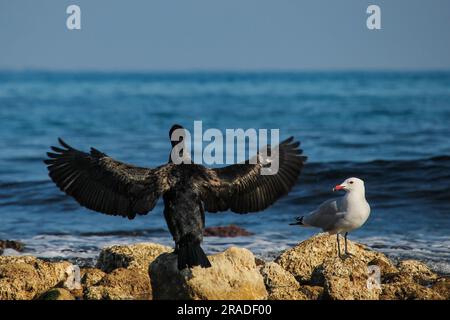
(391, 129)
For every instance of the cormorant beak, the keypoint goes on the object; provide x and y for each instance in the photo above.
(338, 187)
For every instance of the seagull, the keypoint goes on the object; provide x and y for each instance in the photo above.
(100, 183)
(340, 215)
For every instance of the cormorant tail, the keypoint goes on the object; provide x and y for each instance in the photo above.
(190, 254)
(299, 222)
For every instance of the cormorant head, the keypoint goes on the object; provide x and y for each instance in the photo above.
(178, 137)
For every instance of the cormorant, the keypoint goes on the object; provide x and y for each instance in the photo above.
(100, 183)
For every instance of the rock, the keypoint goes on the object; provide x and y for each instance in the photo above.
(312, 292)
(233, 276)
(408, 290)
(346, 279)
(385, 265)
(413, 280)
(442, 286)
(138, 255)
(121, 284)
(280, 284)
(57, 294)
(418, 271)
(259, 262)
(310, 270)
(27, 277)
(127, 272)
(303, 259)
(91, 276)
(226, 231)
(9, 244)
(77, 293)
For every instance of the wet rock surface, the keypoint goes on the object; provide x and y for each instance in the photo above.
(226, 231)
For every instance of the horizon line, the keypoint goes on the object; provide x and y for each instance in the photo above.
(225, 70)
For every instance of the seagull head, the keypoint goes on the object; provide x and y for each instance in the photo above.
(350, 184)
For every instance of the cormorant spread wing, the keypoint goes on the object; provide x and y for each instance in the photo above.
(103, 184)
(242, 189)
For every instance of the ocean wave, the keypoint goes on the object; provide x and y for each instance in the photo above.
(387, 182)
(427, 168)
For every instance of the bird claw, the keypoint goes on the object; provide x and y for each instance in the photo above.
(346, 255)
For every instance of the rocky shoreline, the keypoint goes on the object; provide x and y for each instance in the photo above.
(8, 244)
(309, 271)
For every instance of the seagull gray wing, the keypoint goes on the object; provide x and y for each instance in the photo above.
(326, 216)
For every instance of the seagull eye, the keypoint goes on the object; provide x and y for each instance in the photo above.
(351, 182)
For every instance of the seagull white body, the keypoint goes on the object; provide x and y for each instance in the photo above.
(340, 215)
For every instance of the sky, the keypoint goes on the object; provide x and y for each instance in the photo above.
(186, 35)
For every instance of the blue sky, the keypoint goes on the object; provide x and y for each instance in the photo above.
(156, 35)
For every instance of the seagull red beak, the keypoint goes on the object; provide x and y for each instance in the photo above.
(338, 187)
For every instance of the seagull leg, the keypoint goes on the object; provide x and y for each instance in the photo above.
(345, 238)
(348, 254)
(338, 245)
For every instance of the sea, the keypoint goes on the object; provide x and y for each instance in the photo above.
(391, 129)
